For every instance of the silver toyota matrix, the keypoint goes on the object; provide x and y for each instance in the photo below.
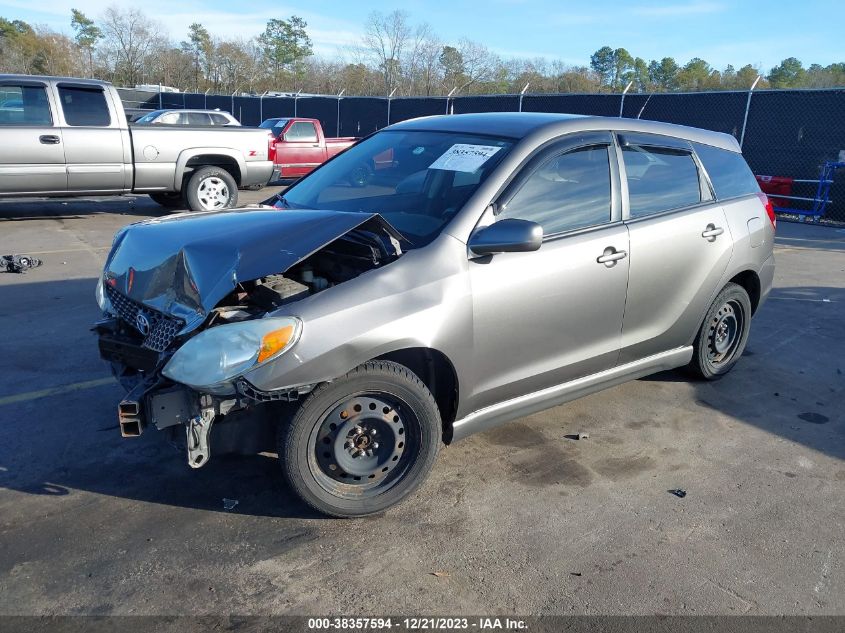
(441, 277)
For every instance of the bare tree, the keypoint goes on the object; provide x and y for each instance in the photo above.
(479, 64)
(385, 38)
(420, 66)
(130, 39)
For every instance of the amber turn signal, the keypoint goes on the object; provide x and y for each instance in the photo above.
(274, 342)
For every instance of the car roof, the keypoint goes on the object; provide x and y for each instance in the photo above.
(47, 78)
(519, 125)
(193, 110)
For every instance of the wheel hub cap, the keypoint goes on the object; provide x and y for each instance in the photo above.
(724, 333)
(213, 193)
(361, 441)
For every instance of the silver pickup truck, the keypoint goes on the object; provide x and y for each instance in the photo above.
(69, 137)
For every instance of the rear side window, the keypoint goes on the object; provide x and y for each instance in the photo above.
(570, 191)
(196, 118)
(219, 119)
(660, 179)
(24, 105)
(84, 106)
(729, 173)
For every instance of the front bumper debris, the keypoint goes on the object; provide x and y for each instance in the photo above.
(198, 430)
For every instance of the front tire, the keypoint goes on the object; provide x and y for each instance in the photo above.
(211, 189)
(362, 443)
(723, 334)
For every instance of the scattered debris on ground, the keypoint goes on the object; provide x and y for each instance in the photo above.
(441, 574)
(678, 493)
(229, 504)
(18, 263)
(577, 436)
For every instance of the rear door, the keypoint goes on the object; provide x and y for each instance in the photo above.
(94, 141)
(680, 244)
(32, 155)
(301, 151)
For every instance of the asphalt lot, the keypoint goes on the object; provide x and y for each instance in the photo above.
(517, 520)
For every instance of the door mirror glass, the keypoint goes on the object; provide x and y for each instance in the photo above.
(508, 235)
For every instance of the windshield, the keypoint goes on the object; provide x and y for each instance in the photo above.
(149, 117)
(276, 125)
(416, 180)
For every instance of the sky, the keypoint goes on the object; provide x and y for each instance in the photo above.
(721, 32)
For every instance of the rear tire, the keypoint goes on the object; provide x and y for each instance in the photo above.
(723, 334)
(211, 189)
(168, 200)
(362, 443)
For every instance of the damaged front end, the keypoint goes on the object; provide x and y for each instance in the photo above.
(192, 304)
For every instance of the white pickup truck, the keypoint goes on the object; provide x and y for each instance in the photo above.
(69, 137)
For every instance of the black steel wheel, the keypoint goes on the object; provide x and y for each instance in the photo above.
(363, 442)
(723, 333)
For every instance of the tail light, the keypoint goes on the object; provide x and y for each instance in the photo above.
(770, 210)
(271, 148)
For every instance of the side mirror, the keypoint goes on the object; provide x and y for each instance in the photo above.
(507, 236)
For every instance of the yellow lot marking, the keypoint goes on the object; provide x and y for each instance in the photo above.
(55, 391)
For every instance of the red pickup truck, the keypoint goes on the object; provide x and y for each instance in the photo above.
(300, 146)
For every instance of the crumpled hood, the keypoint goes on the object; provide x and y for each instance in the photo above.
(184, 265)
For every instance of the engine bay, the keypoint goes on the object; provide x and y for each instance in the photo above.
(339, 261)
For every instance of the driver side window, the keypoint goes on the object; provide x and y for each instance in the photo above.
(567, 192)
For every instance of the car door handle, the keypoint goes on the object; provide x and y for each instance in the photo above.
(712, 232)
(49, 139)
(611, 256)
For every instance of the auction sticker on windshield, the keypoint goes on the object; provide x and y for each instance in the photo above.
(464, 157)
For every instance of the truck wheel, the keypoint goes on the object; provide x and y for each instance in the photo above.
(723, 334)
(363, 442)
(168, 200)
(211, 189)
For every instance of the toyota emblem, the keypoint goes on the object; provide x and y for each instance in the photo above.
(142, 323)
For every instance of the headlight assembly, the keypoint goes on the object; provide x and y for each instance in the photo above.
(102, 299)
(224, 352)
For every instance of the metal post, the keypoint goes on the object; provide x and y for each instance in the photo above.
(261, 106)
(295, 99)
(159, 97)
(522, 94)
(449, 96)
(622, 102)
(233, 103)
(747, 108)
(389, 97)
(339, 95)
(205, 99)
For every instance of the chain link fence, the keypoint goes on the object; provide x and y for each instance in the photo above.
(788, 136)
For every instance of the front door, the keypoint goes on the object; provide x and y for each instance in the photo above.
(680, 245)
(550, 316)
(32, 155)
(302, 150)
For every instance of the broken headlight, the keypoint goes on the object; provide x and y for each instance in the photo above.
(213, 358)
(102, 299)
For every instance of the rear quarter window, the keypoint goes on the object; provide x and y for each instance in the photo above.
(729, 173)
